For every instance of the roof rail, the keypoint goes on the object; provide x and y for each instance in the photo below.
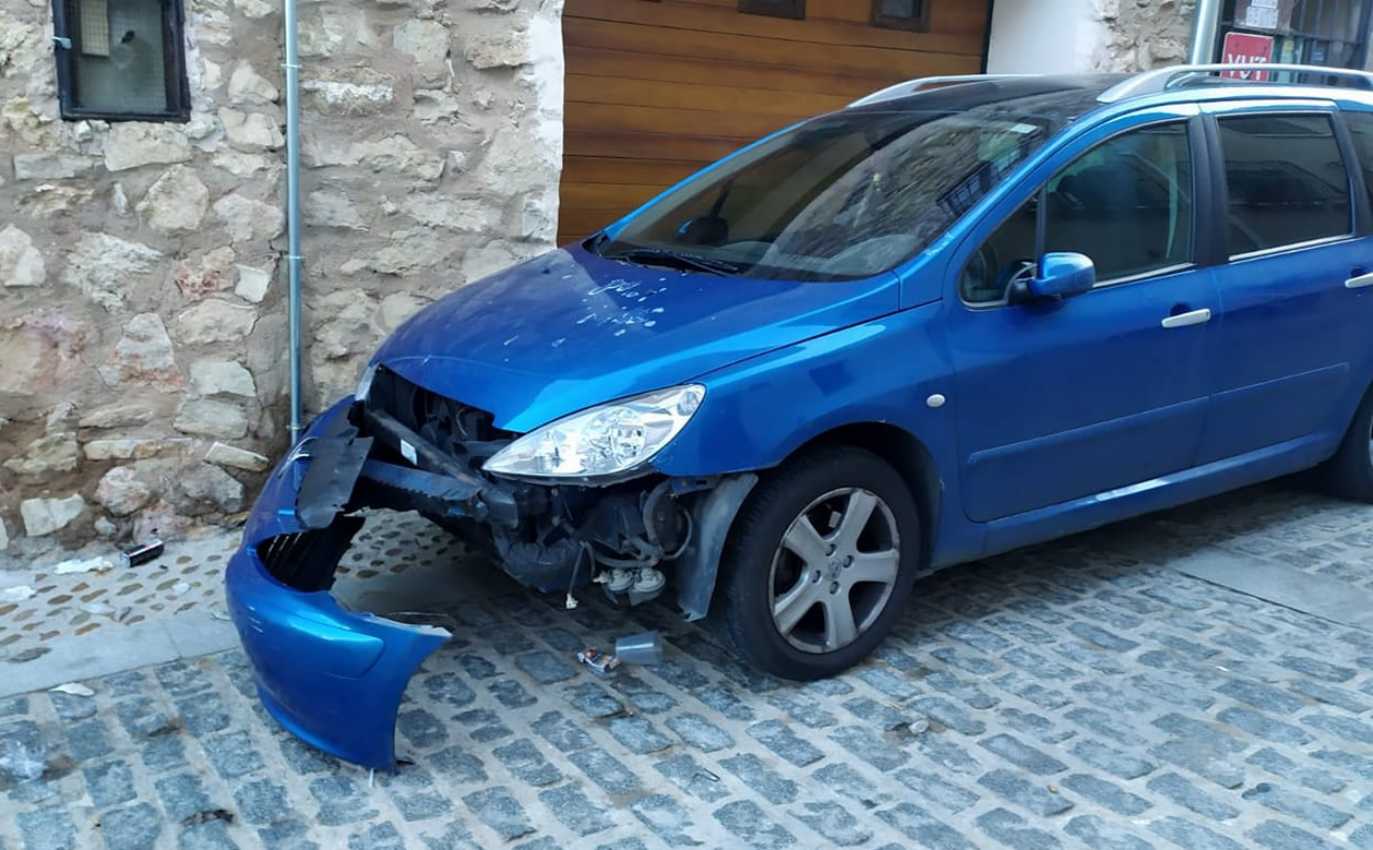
(921, 83)
(1161, 79)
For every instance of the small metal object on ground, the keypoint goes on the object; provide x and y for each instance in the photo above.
(643, 648)
(601, 663)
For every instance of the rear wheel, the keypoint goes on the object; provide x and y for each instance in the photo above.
(820, 563)
(1350, 472)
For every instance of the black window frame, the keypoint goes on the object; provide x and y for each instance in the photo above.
(919, 23)
(1199, 149)
(1221, 185)
(66, 34)
(793, 9)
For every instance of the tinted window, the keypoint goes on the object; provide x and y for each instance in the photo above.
(851, 194)
(1361, 128)
(1127, 204)
(1286, 181)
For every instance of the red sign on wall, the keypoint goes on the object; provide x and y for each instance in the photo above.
(1249, 49)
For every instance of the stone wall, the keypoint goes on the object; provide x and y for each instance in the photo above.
(143, 339)
(1141, 34)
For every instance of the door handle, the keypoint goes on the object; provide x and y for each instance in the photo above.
(1359, 281)
(1185, 320)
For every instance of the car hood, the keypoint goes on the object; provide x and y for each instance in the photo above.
(571, 329)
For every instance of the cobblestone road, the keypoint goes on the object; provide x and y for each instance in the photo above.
(1078, 695)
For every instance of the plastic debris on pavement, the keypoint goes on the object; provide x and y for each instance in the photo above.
(75, 689)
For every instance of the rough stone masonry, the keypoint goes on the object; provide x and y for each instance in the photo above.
(143, 339)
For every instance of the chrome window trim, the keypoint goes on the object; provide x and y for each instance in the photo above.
(1294, 247)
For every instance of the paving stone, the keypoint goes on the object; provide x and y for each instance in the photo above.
(1107, 794)
(1276, 835)
(233, 754)
(261, 801)
(1319, 780)
(638, 734)
(496, 808)
(341, 800)
(763, 780)
(1286, 802)
(1179, 790)
(870, 747)
(1033, 797)
(574, 811)
(135, 827)
(605, 770)
(1191, 836)
(931, 787)
(687, 774)
(667, 818)
(47, 829)
(1011, 830)
(110, 783)
(1023, 756)
(1261, 696)
(1100, 834)
(544, 667)
(594, 701)
(524, 760)
(449, 689)
(745, 820)
(1262, 726)
(847, 782)
(923, 828)
(701, 733)
(833, 822)
(1113, 761)
(413, 791)
(780, 739)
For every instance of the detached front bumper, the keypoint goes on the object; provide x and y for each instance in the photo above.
(332, 677)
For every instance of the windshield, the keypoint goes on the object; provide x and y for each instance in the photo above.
(843, 196)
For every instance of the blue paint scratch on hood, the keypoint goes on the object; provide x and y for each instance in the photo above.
(570, 329)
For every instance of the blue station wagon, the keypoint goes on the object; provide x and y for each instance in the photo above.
(958, 317)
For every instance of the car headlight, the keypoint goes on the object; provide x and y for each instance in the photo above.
(602, 441)
(365, 383)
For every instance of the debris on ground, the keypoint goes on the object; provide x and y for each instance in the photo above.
(75, 689)
(600, 663)
(98, 564)
(142, 554)
(207, 816)
(18, 593)
(643, 648)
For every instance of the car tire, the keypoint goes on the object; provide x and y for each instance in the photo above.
(784, 612)
(1349, 474)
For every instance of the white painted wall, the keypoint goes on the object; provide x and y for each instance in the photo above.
(1045, 37)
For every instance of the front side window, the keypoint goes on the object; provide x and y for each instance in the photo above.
(1285, 180)
(1127, 204)
(1361, 129)
(845, 196)
(121, 59)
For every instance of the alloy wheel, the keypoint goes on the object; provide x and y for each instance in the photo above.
(834, 570)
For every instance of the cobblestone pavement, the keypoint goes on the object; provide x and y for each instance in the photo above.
(1081, 694)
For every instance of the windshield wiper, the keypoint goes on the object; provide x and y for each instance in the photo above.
(675, 259)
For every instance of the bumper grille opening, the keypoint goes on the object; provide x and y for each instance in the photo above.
(448, 424)
(307, 560)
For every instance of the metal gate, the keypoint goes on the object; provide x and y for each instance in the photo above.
(1332, 33)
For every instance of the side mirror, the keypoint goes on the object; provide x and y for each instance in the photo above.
(1061, 275)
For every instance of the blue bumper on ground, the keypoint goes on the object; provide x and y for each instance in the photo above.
(331, 677)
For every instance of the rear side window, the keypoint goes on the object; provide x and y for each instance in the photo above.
(1286, 180)
(1361, 128)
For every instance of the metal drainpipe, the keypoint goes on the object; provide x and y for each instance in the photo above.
(293, 258)
(1204, 29)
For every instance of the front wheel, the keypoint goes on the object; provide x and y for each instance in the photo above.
(819, 564)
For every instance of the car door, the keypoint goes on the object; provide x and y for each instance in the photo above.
(1289, 324)
(1059, 400)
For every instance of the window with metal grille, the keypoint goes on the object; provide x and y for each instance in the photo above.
(121, 60)
(901, 14)
(775, 8)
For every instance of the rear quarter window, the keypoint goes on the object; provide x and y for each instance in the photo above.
(1361, 130)
(1286, 181)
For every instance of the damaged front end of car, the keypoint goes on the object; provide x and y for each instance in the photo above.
(335, 677)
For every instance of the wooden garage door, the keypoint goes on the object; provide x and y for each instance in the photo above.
(656, 89)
